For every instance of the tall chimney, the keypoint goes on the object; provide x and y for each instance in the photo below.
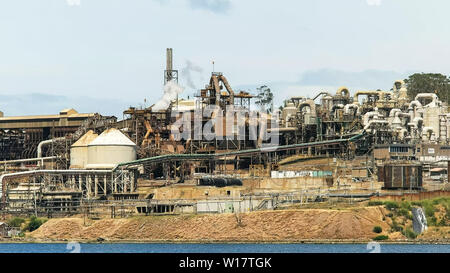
(169, 73)
(169, 65)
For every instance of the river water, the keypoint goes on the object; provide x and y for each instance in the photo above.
(219, 248)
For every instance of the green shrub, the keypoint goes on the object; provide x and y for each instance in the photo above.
(34, 223)
(403, 212)
(410, 234)
(429, 211)
(375, 203)
(377, 229)
(390, 205)
(381, 238)
(16, 222)
(432, 221)
(406, 205)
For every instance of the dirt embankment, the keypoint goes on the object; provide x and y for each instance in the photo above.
(264, 226)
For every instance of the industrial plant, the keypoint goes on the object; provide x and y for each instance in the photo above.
(214, 153)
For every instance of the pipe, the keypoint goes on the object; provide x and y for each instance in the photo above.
(321, 93)
(359, 93)
(45, 142)
(415, 103)
(340, 106)
(393, 112)
(403, 115)
(432, 96)
(342, 90)
(3, 184)
(28, 160)
(375, 121)
(311, 104)
(428, 130)
(348, 106)
(370, 115)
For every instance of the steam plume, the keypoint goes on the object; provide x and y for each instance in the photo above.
(171, 90)
(186, 72)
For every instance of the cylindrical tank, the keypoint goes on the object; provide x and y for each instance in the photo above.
(109, 149)
(219, 182)
(79, 150)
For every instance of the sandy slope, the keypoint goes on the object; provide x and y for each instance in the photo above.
(284, 225)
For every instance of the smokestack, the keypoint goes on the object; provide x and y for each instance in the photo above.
(169, 65)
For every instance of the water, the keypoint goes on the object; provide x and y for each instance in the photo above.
(218, 248)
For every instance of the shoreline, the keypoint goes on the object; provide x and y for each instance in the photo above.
(306, 241)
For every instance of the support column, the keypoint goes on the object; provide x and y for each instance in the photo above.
(104, 185)
(115, 185)
(89, 186)
(96, 186)
(80, 182)
(132, 181)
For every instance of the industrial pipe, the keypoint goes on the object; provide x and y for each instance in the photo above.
(28, 160)
(348, 106)
(375, 121)
(321, 93)
(393, 111)
(359, 93)
(434, 99)
(429, 131)
(45, 142)
(3, 186)
(311, 104)
(343, 91)
(370, 115)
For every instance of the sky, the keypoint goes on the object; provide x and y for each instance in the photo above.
(106, 55)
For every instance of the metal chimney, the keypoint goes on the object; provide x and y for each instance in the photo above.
(169, 73)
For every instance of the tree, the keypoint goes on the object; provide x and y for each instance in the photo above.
(429, 83)
(264, 99)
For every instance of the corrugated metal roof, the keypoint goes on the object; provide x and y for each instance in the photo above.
(112, 136)
(85, 139)
(44, 117)
(437, 169)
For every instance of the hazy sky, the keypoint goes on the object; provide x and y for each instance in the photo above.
(105, 55)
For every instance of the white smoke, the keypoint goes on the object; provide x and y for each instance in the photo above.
(171, 90)
(187, 71)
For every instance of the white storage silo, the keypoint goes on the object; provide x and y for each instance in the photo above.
(109, 149)
(79, 150)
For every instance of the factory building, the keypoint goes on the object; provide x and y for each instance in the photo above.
(336, 142)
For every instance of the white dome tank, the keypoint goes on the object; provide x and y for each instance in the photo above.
(79, 150)
(109, 149)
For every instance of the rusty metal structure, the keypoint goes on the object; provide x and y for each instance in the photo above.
(395, 136)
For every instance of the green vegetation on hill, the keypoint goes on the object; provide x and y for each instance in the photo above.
(437, 212)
